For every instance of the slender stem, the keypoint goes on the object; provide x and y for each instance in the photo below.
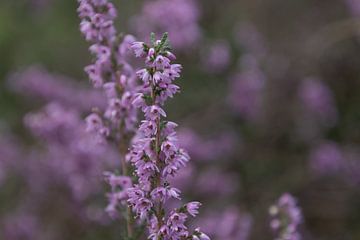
(157, 149)
(124, 170)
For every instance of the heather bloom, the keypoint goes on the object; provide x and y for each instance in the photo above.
(111, 72)
(229, 223)
(110, 69)
(36, 82)
(73, 154)
(318, 100)
(246, 91)
(286, 218)
(192, 208)
(327, 158)
(178, 17)
(64, 171)
(155, 153)
(217, 58)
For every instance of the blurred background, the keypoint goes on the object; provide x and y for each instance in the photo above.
(270, 103)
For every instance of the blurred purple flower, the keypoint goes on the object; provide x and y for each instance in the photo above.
(318, 100)
(327, 158)
(229, 224)
(211, 149)
(286, 218)
(36, 82)
(72, 156)
(214, 182)
(246, 90)
(217, 58)
(177, 17)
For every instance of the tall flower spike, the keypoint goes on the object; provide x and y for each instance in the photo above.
(155, 154)
(109, 69)
(111, 72)
(286, 217)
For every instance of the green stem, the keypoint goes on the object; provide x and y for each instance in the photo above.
(158, 211)
(124, 168)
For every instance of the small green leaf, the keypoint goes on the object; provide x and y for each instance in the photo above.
(152, 38)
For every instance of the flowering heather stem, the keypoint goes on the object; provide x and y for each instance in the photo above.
(111, 72)
(155, 154)
(286, 218)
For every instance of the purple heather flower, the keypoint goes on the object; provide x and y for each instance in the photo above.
(155, 153)
(193, 208)
(118, 181)
(138, 48)
(111, 71)
(176, 221)
(286, 217)
(246, 93)
(154, 112)
(228, 223)
(110, 56)
(327, 158)
(178, 17)
(165, 193)
(36, 82)
(72, 152)
(217, 58)
(318, 101)
(93, 123)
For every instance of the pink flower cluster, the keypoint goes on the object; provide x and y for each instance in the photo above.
(286, 217)
(155, 153)
(110, 69)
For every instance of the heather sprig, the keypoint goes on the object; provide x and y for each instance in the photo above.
(155, 154)
(111, 72)
(286, 217)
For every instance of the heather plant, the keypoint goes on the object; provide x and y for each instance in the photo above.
(286, 217)
(228, 223)
(155, 153)
(62, 170)
(111, 72)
